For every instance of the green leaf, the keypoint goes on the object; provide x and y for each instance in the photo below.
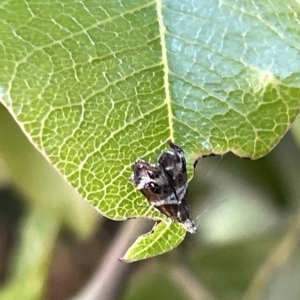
(95, 85)
(160, 240)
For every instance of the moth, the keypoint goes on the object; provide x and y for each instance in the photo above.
(165, 184)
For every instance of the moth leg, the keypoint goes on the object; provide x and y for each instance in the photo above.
(168, 222)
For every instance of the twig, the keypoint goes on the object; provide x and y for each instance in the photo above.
(111, 276)
(189, 284)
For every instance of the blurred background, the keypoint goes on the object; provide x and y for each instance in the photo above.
(54, 245)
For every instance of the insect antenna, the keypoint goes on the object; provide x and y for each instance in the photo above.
(211, 165)
(209, 209)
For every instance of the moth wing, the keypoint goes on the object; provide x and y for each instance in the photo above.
(153, 183)
(173, 163)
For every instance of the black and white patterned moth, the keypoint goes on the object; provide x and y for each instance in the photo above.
(165, 184)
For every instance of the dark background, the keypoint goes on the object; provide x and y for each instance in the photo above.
(246, 247)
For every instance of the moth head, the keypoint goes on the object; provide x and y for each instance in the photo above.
(190, 226)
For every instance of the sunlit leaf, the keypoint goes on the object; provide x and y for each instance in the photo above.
(97, 84)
